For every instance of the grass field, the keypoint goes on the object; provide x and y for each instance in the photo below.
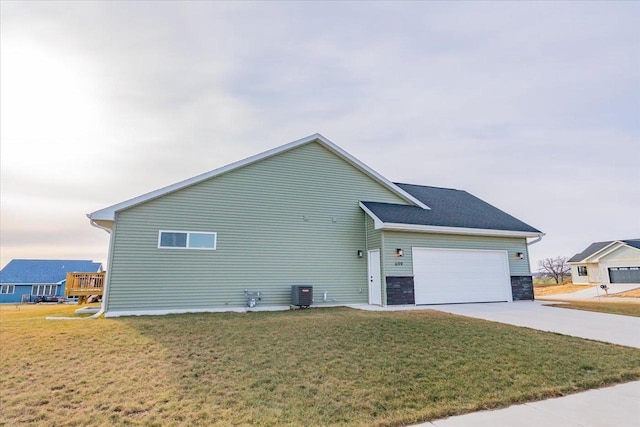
(541, 290)
(306, 367)
(609, 306)
(634, 293)
(546, 281)
(602, 305)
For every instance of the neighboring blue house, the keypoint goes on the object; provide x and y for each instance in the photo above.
(26, 279)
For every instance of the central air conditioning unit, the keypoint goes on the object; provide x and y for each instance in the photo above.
(301, 296)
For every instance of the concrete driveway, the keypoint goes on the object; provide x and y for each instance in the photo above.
(622, 330)
(610, 406)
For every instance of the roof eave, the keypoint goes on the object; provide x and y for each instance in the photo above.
(600, 252)
(29, 283)
(609, 249)
(388, 226)
(377, 222)
(391, 226)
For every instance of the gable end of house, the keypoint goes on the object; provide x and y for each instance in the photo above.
(102, 217)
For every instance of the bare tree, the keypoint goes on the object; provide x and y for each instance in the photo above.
(555, 268)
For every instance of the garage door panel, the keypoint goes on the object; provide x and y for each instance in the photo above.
(624, 275)
(459, 276)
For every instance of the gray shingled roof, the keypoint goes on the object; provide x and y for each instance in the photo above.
(635, 243)
(449, 208)
(595, 247)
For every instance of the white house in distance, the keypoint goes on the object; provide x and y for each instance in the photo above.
(611, 262)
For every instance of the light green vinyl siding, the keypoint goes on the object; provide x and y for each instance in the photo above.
(374, 237)
(263, 241)
(405, 241)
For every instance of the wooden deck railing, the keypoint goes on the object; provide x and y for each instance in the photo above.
(84, 284)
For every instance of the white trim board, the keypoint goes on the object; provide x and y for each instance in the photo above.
(188, 240)
(211, 310)
(609, 249)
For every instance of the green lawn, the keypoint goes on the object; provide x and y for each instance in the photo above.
(624, 308)
(546, 290)
(546, 281)
(307, 367)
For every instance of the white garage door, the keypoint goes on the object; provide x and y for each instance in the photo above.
(445, 276)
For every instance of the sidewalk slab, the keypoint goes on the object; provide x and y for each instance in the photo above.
(602, 407)
(611, 406)
(518, 415)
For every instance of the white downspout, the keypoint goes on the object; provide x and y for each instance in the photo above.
(103, 304)
(536, 240)
(104, 292)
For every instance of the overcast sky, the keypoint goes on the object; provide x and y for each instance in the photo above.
(531, 106)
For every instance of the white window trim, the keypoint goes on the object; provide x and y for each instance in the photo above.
(4, 289)
(52, 290)
(188, 233)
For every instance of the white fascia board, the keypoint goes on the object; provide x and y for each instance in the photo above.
(108, 214)
(373, 174)
(387, 226)
(195, 310)
(377, 223)
(595, 257)
(609, 249)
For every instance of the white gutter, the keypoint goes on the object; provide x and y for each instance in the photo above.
(536, 240)
(388, 226)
